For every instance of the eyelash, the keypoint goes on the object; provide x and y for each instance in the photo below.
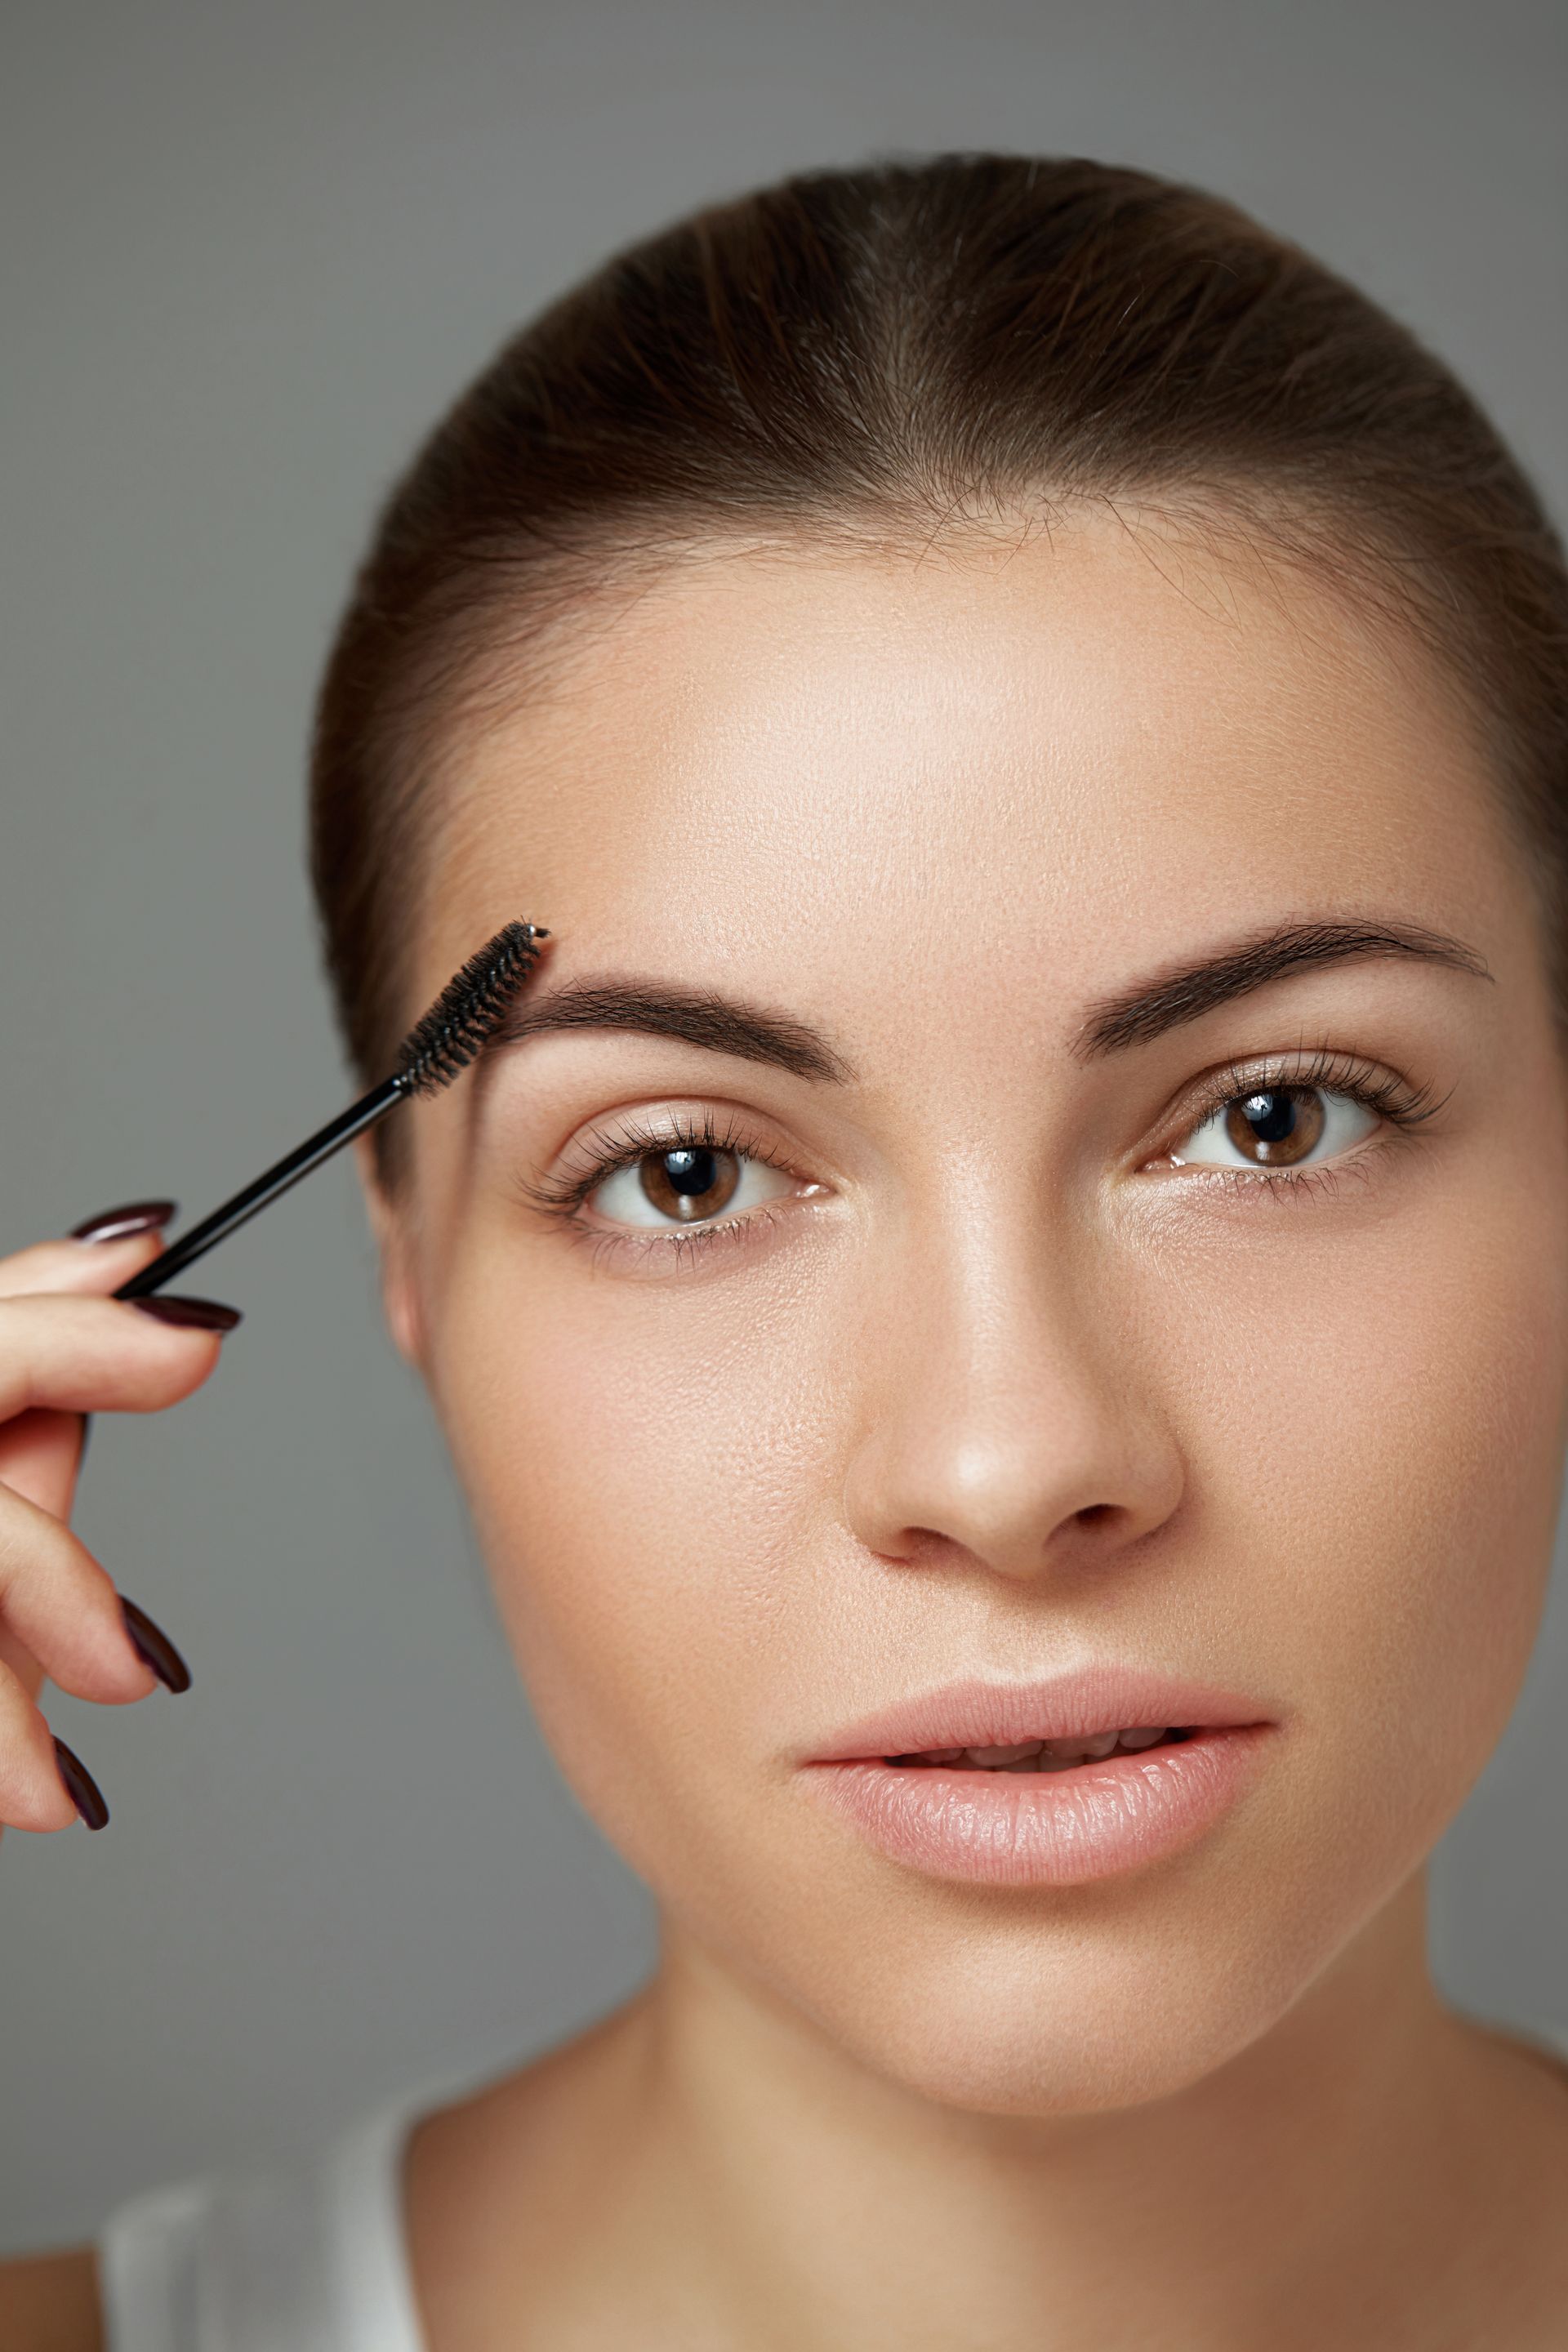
(562, 1197)
(1404, 1107)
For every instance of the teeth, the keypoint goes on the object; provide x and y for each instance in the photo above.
(1091, 1746)
(1045, 1755)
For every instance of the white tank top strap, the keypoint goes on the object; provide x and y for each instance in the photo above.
(307, 2256)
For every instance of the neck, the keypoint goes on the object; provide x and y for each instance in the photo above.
(710, 2161)
(835, 2194)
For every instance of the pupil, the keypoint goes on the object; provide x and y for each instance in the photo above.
(689, 1172)
(1277, 1124)
(1271, 1117)
(690, 1180)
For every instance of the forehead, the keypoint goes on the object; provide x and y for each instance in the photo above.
(1066, 749)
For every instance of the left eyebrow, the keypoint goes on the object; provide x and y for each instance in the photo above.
(721, 1024)
(1137, 1015)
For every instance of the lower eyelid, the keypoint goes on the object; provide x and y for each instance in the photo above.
(671, 1245)
(1338, 1097)
(1358, 1164)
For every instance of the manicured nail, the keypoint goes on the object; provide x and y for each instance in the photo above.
(117, 1224)
(202, 1314)
(82, 1789)
(155, 1647)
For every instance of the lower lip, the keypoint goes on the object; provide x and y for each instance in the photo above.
(1048, 1829)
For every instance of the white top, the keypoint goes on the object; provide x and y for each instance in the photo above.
(307, 2257)
(300, 2257)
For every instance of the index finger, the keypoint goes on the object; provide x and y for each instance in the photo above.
(73, 1264)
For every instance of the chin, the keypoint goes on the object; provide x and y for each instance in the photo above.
(1031, 2002)
(1052, 2031)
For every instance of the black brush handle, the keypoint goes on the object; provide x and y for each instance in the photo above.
(234, 1213)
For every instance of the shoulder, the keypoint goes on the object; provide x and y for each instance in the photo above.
(304, 2250)
(307, 2252)
(52, 2303)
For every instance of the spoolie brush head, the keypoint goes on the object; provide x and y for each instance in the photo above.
(468, 1011)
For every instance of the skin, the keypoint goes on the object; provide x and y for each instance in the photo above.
(937, 807)
(992, 1386)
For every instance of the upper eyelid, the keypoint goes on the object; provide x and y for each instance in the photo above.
(1334, 1069)
(637, 1141)
(722, 1127)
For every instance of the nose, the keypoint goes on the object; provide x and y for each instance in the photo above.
(1008, 1418)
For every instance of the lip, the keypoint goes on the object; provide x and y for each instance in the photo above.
(1092, 1822)
(978, 1714)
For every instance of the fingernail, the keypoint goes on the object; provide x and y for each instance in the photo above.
(82, 1789)
(202, 1314)
(155, 1647)
(116, 1225)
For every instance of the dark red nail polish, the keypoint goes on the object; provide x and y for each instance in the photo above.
(118, 1224)
(82, 1789)
(155, 1647)
(201, 1314)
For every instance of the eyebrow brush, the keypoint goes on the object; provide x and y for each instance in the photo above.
(460, 1022)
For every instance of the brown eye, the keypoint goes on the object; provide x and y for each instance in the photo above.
(689, 1184)
(1277, 1125)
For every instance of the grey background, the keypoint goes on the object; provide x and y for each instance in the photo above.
(249, 253)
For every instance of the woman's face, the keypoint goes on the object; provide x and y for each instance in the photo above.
(1020, 1321)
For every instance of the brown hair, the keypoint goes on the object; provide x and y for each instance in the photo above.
(882, 350)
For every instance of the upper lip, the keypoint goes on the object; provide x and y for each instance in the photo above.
(978, 1714)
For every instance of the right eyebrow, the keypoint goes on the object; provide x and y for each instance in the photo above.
(721, 1024)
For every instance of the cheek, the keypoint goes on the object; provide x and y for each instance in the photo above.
(649, 1483)
(1378, 1474)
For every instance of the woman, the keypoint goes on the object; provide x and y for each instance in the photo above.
(1023, 1206)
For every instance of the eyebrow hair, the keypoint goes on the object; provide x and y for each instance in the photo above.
(1137, 1015)
(724, 1025)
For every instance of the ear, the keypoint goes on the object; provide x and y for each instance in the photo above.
(399, 1292)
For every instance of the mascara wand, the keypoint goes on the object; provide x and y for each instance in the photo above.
(463, 1018)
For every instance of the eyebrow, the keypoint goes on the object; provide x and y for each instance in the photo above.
(723, 1024)
(1135, 1016)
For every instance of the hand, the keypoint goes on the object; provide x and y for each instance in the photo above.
(67, 1349)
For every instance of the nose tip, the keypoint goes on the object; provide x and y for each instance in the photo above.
(1019, 1495)
(1009, 1409)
